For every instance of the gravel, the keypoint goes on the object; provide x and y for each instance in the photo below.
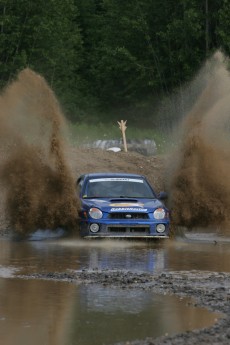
(208, 289)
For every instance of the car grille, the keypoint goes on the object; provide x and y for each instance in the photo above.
(123, 215)
(129, 230)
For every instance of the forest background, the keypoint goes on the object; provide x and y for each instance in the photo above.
(108, 60)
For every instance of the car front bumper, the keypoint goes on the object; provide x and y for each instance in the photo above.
(124, 229)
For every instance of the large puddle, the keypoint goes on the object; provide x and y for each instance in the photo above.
(196, 251)
(46, 312)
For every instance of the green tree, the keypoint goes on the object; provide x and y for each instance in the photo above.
(139, 48)
(116, 49)
(100, 55)
(223, 27)
(45, 36)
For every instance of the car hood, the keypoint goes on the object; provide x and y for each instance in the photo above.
(122, 205)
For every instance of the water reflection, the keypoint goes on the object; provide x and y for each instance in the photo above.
(74, 254)
(33, 312)
(207, 253)
(45, 312)
(136, 260)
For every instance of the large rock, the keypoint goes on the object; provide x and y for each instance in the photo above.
(146, 147)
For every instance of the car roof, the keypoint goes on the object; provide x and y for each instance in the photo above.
(111, 174)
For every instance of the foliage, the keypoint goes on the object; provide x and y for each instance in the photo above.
(104, 57)
(224, 27)
(42, 35)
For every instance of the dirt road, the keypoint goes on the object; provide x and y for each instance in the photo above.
(208, 289)
(97, 160)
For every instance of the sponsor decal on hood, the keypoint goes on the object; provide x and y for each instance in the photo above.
(128, 209)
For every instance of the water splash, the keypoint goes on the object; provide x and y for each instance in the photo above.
(39, 187)
(46, 234)
(200, 184)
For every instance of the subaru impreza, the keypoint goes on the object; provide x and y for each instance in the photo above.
(121, 205)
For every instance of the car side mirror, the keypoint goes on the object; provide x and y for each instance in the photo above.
(163, 196)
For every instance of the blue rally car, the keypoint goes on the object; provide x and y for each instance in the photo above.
(119, 205)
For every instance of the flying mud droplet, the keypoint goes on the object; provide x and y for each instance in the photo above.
(38, 184)
(200, 184)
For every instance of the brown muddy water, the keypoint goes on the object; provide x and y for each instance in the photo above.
(51, 312)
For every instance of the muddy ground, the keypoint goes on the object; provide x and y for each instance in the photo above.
(208, 289)
(96, 160)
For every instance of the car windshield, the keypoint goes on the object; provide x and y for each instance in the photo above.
(118, 188)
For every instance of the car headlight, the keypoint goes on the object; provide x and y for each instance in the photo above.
(95, 213)
(159, 213)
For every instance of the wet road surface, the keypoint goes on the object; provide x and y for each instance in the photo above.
(48, 312)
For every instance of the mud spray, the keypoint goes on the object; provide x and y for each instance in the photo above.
(200, 182)
(39, 188)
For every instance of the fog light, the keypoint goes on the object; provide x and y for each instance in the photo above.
(94, 227)
(160, 227)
